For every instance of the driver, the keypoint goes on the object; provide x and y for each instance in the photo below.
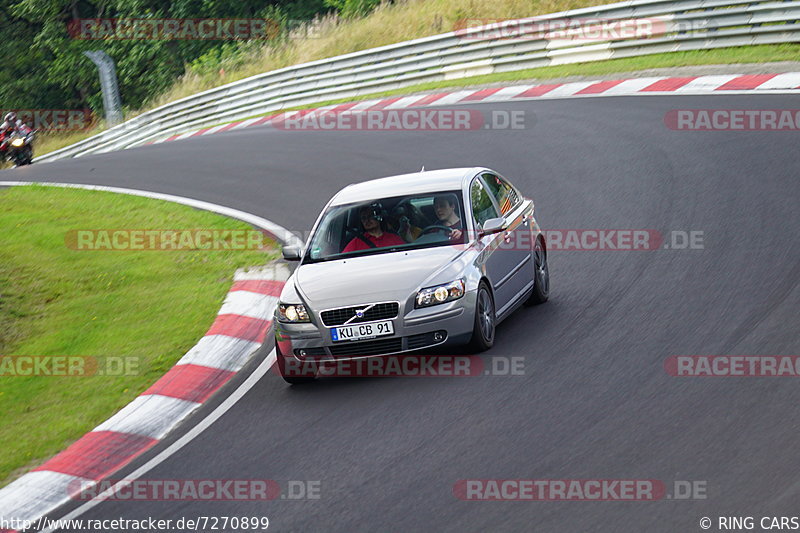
(446, 208)
(374, 235)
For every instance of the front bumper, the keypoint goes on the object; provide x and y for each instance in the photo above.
(417, 329)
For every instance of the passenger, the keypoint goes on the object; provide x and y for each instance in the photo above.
(374, 235)
(407, 221)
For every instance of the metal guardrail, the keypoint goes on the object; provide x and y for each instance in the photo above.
(683, 25)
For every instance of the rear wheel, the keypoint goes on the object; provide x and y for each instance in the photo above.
(541, 275)
(484, 327)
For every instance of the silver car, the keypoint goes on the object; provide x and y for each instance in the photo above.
(406, 263)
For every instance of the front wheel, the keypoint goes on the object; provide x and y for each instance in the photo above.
(541, 275)
(483, 329)
(23, 157)
(27, 156)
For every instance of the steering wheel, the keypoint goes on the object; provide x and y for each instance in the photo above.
(436, 227)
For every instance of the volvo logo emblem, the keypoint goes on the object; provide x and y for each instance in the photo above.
(360, 313)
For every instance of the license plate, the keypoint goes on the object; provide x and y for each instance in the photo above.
(362, 331)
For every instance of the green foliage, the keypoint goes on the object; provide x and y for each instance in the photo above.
(45, 67)
(353, 8)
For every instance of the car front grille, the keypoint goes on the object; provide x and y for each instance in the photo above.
(381, 311)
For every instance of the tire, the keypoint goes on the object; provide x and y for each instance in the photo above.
(483, 329)
(541, 275)
(24, 157)
(293, 379)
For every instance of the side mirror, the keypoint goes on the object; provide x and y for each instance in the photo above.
(492, 226)
(291, 253)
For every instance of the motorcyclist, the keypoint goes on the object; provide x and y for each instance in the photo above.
(10, 128)
(7, 129)
(14, 126)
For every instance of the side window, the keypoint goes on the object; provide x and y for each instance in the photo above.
(482, 207)
(507, 198)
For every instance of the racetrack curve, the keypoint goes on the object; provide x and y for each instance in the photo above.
(595, 401)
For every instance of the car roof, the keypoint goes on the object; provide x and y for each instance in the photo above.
(448, 179)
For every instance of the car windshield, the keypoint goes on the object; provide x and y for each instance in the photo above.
(387, 225)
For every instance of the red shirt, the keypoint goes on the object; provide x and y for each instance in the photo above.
(387, 239)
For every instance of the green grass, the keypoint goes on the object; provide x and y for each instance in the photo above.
(149, 305)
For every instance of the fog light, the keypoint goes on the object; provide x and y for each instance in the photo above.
(438, 336)
(301, 352)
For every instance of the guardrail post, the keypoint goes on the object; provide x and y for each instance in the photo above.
(112, 103)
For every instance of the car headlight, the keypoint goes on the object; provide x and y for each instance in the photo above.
(293, 313)
(440, 294)
(16, 143)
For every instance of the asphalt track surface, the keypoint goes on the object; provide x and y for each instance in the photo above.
(595, 401)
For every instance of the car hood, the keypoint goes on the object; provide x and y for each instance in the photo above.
(372, 278)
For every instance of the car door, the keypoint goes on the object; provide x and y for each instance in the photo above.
(517, 245)
(497, 265)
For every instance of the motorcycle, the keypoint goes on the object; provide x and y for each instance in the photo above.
(17, 148)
